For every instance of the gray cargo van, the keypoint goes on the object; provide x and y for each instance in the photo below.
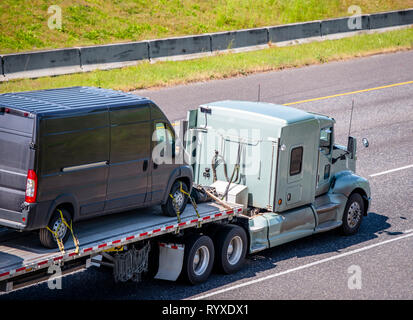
(82, 152)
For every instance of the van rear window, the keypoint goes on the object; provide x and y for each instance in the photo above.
(15, 137)
(17, 123)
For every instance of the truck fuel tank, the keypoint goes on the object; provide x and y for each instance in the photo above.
(271, 229)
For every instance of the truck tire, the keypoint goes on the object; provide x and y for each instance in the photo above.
(353, 215)
(47, 239)
(198, 259)
(231, 248)
(181, 199)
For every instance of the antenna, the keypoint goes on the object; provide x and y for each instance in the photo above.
(351, 117)
(259, 92)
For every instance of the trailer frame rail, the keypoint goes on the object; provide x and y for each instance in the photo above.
(57, 258)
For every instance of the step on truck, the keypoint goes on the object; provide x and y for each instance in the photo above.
(239, 178)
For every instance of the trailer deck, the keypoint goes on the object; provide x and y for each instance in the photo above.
(22, 253)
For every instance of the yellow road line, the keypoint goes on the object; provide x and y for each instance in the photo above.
(340, 94)
(349, 93)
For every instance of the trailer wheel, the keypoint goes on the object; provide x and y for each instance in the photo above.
(353, 214)
(198, 259)
(231, 248)
(180, 199)
(47, 239)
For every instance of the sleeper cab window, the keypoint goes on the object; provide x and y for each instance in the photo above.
(296, 161)
(325, 140)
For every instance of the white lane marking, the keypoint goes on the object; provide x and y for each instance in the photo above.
(409, 234)
(392, 170)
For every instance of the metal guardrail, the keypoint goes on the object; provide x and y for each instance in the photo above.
(80, 59)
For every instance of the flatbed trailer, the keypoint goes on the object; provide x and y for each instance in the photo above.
(299, 190)
(23, 261)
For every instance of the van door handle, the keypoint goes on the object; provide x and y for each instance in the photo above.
(145, 165)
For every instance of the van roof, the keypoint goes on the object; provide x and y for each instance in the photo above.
(52, 100)
(282, 113)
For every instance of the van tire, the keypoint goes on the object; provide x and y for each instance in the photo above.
(198, 259)
(230, 237)
(46, 237)
(168, 208)
(353, 215)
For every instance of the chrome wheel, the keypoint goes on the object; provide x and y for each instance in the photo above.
(201, 260)
(353, 214)
(234, 251)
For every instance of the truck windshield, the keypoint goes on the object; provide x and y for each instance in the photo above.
(325, 140)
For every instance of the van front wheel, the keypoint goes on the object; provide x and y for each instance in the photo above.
(177, 201)
(47, 239)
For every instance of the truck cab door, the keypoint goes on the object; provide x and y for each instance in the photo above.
(297, 164)
(324, 160)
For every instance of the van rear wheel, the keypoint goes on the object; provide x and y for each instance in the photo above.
(180, 199)
(47, 239)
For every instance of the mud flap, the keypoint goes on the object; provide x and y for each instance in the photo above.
(171, 259)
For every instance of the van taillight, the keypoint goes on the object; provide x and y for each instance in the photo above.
(31, 187)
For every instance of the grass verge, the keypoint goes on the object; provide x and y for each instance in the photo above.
(24, 25)
(147, 75)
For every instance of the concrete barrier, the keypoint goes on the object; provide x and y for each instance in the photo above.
(2, 78)
(348, 24)
(179, 46)
(391, 19)
(41, 63)
(64, 61)
(294, 31)
(113, 55)
(238, 39)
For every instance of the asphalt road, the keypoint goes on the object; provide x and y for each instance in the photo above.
(321, 266)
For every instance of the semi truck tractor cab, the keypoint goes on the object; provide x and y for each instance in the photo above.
(282, 164)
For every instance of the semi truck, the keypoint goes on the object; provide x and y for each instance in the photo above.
(260, 175)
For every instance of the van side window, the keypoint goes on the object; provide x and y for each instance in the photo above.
(164, 133)
(296, 161)
(74, 140)
(325, 140)
(130, 133)
(165, 136)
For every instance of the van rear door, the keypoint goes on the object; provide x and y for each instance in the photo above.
(16, 157)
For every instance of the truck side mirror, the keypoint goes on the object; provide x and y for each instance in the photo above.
(351, 147)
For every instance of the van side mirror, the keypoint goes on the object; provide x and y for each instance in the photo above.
(351, 147)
